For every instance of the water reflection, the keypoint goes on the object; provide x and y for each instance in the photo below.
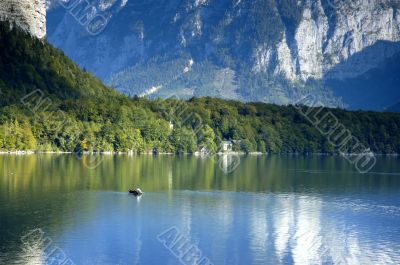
(283, 225)
(271, 173)
(307, 247)
(259, 234)
(271, 210)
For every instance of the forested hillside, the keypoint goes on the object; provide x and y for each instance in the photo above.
(78, 113)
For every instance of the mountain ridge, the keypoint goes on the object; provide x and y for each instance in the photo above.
(262, 48)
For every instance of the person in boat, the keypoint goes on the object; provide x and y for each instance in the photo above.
(136, 192)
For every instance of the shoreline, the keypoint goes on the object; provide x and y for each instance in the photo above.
(197, 154)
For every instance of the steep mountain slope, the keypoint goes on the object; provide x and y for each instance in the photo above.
(265, 50)
(394, 108)
(28, 64)
(75, 112)
(374, 89)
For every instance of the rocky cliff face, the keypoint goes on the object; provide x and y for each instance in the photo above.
(264, 50)
(329, 33)
(27, 14)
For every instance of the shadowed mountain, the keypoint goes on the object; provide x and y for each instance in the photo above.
(394, 108)
(376, 89)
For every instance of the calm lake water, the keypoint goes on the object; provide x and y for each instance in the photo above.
(270, 210)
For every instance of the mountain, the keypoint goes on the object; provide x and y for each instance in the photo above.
(394, 108)
(251, 50)
(48, 103)
(28, 64)
(375, 89)
(30, 15)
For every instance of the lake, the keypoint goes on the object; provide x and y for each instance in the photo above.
(54, 209)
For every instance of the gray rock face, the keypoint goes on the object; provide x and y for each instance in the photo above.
(329, 32)
(258, 50)
(323, 42)
(30, 15)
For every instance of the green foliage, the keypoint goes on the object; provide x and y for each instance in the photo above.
(28, 64)
(246, 146)
(17, 136)
(183, 140)
(206, 138)
(82, 115)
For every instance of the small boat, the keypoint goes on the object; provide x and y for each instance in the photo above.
(136, 192)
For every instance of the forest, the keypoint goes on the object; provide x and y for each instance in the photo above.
(47, 103)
